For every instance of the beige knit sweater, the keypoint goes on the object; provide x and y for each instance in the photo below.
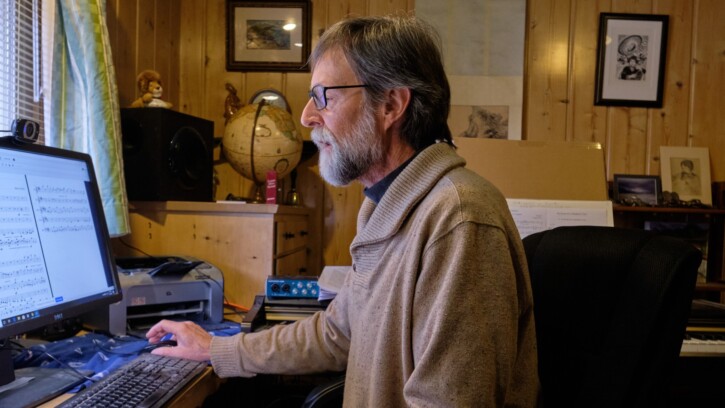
(437, 311)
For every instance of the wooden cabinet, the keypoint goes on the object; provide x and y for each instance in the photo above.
(247, 242)
(703, 226)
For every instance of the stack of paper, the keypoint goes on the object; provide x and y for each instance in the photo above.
(331, 280)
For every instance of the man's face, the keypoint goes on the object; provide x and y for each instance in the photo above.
(346, 132)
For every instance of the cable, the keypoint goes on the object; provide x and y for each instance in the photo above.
(137, 249)
(21, 348)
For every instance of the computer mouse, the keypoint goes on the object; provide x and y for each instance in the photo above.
(162, 343)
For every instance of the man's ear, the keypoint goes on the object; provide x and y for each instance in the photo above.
(397, 101)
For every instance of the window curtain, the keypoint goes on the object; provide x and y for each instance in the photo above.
(82, 108)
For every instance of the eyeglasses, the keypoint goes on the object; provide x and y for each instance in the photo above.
(319, 94)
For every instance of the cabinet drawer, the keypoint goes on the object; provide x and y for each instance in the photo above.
(291, 235)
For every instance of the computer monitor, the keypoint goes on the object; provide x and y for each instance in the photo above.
(55, 257)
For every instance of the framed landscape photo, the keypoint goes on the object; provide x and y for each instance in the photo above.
(686, 171)
(268, 35)
(630, 189)
(631, 59)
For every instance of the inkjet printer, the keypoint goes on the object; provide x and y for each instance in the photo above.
(164, 287)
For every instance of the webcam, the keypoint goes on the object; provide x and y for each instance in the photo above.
(25, 130)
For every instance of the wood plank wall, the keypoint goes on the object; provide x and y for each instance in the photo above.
(560, 81)
(184, 40)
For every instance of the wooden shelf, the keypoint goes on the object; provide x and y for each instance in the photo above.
(638, 217)
(668, 210)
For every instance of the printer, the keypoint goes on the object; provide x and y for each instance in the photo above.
(161, 287)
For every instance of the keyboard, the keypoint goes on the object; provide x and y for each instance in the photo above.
(147, 381)
(703, 343)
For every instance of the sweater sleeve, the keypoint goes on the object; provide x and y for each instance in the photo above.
(466, 317)
(315, 344)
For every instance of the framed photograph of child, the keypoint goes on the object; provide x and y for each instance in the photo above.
(686, 171)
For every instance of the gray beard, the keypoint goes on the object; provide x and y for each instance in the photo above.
(352, 156)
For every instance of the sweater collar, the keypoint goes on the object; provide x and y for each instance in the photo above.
(381, 221)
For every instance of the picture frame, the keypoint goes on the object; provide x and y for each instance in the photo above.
(268, 35)
(686, 171)
(637, 190)
(631, 55)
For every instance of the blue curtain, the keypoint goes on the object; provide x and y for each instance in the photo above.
(84, 109)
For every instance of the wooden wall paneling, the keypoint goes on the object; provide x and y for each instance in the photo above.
(546, 68)
(257, 81)
(338, 10)
(125, 53)
(669, 126)
(382, 7)
(340, 222)
(166, 55)
(146, 36)
(628, 126)
(192, 58)
(708, 121)
(297, 86)
(588, 123)
(311, 189)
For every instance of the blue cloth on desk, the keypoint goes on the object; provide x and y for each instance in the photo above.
(94, 352)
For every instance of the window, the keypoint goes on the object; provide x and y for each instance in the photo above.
(20, 69)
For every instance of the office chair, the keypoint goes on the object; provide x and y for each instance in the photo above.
(611, 306)
(327, 395)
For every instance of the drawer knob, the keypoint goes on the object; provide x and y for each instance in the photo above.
(288, 235)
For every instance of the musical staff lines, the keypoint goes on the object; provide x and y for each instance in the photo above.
(24, 282)
(16, 237)
(62, 209)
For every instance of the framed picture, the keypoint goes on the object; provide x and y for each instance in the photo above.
(637, 190)
(268, 35)
(686, 171)
(631, 60)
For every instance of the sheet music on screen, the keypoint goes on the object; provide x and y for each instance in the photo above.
(50, 249)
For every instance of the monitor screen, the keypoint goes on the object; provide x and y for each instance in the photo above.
(55, 258)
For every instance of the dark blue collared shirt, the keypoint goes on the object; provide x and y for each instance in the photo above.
(378, 189)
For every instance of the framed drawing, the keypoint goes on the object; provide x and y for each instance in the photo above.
(631, 60)
(268, 35)
(636, 190)
(686, 171)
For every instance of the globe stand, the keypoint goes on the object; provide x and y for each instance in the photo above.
(259, 197)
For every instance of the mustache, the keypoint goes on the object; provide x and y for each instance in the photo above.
(321, 136)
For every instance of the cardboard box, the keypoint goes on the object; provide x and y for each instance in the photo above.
(538, 170)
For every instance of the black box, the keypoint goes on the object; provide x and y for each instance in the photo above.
(167, 155)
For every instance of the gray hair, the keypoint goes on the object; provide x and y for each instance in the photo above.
(397, 52)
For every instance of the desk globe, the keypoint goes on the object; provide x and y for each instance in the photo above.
(261, 137)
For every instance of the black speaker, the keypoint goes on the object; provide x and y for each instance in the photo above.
(167, 155)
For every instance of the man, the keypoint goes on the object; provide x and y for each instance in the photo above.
(437, 310)
(632, 71)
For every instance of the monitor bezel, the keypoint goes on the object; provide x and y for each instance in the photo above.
(58, 313)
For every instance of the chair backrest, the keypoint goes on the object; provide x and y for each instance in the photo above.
(611, 307)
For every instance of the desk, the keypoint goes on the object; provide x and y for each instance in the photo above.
(191, 396)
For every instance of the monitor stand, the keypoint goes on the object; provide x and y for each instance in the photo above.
(33, 385)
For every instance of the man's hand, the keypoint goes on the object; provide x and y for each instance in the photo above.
(192, 342)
